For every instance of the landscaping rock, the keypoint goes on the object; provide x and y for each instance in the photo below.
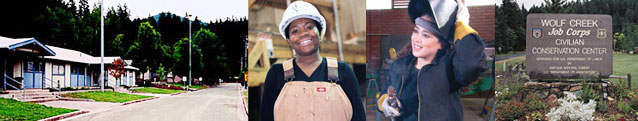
(551, 91)
(555, 91)
(575, 88)
(552, 98)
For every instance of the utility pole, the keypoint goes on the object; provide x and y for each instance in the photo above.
(190, 52)
(102, 45)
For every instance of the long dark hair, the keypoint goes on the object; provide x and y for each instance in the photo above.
(406, 51)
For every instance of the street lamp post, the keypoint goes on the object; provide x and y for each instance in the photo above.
(190, 53)
(102, 45)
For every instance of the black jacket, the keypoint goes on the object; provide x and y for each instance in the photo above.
(438, 84)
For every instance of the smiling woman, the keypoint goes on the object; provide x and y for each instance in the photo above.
(321, 81)
(303, 36)
(444, 55)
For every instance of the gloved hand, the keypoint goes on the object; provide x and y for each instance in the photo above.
(388, 110)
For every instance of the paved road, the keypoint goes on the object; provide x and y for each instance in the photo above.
(222, 103)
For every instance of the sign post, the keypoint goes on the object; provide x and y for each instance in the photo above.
(568, 46)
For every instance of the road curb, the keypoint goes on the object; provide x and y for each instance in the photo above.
(241, 94)
(63, 116)
(137, 101)
(76, 99)
(178, 93)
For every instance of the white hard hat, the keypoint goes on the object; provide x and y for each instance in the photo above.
(301, 9)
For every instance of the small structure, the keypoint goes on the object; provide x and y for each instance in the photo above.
(27, 63)
(21, 63)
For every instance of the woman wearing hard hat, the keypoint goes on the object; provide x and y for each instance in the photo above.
(309, 87)
(446, 54)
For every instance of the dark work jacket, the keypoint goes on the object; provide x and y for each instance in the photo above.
(275, 82)
(438, 84)
(403, 77)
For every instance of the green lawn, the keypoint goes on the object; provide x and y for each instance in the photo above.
(12, 110)
(245, 93)
(182, 85)
(622, 64)
(156, 90)
(625, 63)
(510, 53)
(509, 62)
(106, 96)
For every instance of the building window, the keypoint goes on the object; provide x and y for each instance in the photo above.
(32, 66)
(76, 69)
(58, 69)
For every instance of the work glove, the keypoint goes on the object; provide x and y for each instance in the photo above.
(388, 109)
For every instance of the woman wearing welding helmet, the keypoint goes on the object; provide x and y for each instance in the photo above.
(309, 87)
(445, 55)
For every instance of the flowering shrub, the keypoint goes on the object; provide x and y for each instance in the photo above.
(513, 110)
(176, 88)
(165, 86)
(506, 93)
(617, 117)
(533, 103)
(572, 109)
(536, 116)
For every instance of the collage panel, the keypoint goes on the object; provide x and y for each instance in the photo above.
(123, 60)
(429, 60)
(306, 60)
(566, 60)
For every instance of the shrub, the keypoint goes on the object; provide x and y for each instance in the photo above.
(536, 116)
(624, 107)
(588, 93)
(633, 101)
(67, 88)
(617, 117)
(572, 109)
(513, 110)
(601, 107)
(176, 88)
(164, 86)
(506, 93)
(533, 103)
(621, 89)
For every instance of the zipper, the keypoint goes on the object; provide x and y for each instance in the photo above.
(407, 70)
(418, 94)
(400, 91)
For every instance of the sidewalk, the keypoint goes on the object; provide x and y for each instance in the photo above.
(94, 107)
(221, 103)
(82, 105)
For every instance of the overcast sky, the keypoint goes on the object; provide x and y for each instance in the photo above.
(528, 3)
(205, 10)
(387, 4)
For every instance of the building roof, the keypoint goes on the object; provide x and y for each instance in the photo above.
(78, 57)
(131, 67)
(11, 44)
(64, 54)
(58, 53)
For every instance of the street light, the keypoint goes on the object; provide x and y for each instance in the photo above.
(102, 45)
(190, 46)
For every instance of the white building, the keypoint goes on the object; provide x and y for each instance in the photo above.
(42, 66)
